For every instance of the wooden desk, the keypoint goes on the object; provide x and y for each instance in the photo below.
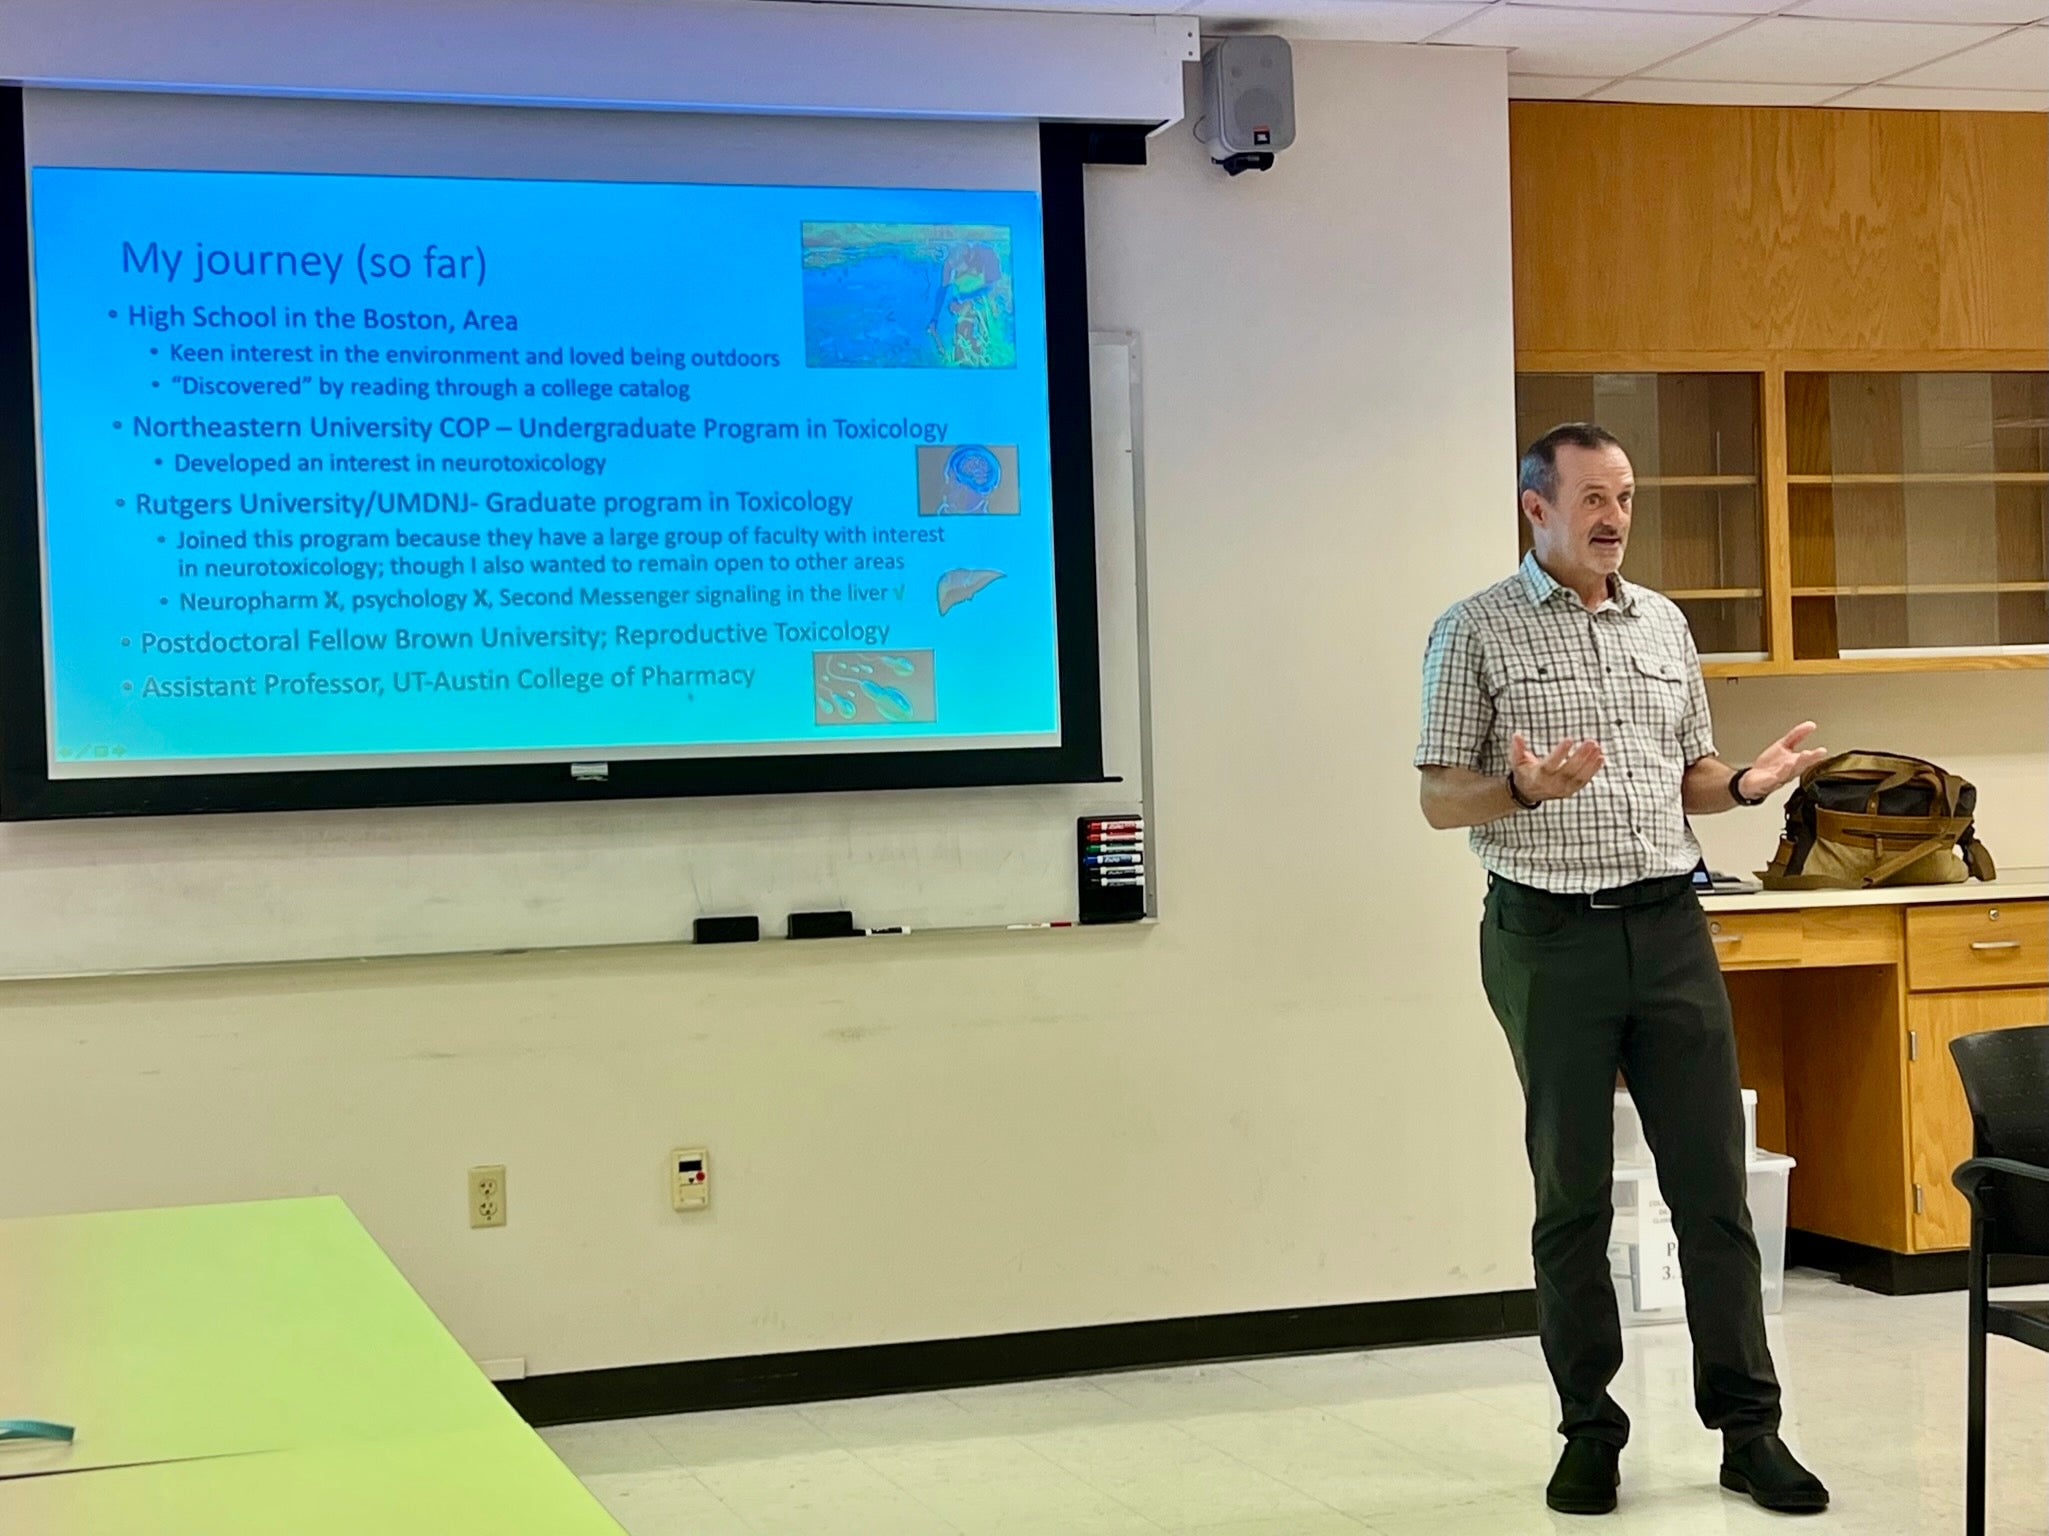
(1845, 1004)
(258, 1367)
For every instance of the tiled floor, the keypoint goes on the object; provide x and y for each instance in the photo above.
(1439, 1441)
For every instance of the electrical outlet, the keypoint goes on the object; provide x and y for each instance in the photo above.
(487, 1196)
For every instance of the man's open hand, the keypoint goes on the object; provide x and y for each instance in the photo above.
(1782, 762)
(1568, 769)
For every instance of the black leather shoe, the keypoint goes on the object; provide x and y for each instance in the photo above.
(1588, 1474)
(1766, 1470)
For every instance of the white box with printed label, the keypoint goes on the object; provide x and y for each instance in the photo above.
(1643, 1253)
(1632, 1150)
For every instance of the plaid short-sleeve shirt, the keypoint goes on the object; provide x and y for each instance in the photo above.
(1527, 655)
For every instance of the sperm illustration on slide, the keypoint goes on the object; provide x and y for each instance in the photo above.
(873, 687)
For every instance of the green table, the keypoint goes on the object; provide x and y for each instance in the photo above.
(256, 1368)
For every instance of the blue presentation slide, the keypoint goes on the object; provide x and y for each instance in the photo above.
(369, 467)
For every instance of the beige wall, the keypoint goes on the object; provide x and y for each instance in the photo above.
(1288, 1093)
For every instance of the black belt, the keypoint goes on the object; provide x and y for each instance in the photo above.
(1644, 893)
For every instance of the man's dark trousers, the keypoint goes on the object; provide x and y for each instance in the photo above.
(1583, 988)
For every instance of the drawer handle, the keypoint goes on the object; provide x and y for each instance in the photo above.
(1995, 944)
(1736, 938)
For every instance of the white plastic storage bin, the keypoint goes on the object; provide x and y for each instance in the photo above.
(1633, 1151)
(1643, 1258)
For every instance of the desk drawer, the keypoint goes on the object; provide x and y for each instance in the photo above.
(1756, 938)
(1966, 945)
(1810, 936)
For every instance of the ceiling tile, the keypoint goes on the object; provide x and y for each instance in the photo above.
(1697, 7)
(1998, 12)
(1552, 87)
(1721, 93)
(1925, 99)
(1558, 42)
(1119, 7)
(1356, 21)
(2019, 61)
(1797, 50)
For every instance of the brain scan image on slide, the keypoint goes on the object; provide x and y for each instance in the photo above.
(967, 480)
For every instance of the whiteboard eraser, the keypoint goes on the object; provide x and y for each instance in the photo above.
(726, 930)
(822, 925)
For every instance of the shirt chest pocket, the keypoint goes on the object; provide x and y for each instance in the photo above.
(1548, 701)
(1659, 694)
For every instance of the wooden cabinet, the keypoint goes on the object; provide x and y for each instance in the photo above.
(1642, 228)
(1940, 1120)
(1868, 286)
(1971, 966)
(1814, 522)
(1843, 1017)
(1918, 505)
(1699, 517)
(1697, 534)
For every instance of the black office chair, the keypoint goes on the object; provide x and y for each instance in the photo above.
(2006, 1079)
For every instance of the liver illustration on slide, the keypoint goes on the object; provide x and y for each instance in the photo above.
(958, 586)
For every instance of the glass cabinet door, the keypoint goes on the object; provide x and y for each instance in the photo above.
(1918, 506)
(1697, 534)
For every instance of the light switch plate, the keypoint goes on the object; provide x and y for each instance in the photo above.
(689, 1179)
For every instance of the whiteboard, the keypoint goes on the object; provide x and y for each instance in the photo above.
(94, 897)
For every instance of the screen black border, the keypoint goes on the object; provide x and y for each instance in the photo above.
(28, 793)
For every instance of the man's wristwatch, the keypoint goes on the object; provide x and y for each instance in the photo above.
(1736, 788)
(1515, 793)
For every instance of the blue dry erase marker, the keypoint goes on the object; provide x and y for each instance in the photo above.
(35, 1429)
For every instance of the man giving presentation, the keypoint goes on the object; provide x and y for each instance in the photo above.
(1565, 722)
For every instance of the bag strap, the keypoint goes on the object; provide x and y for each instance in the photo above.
(1940, 782)
(1853, 827)
(1797, 844)
(1886, 868)
(1976, 855)
(1780, 882)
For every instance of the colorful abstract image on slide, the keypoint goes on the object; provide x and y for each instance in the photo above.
(873, 687)
(967, 480)
(908, 296)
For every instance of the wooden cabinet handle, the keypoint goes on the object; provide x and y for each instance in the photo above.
(1995, 944)
(1728, 938)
